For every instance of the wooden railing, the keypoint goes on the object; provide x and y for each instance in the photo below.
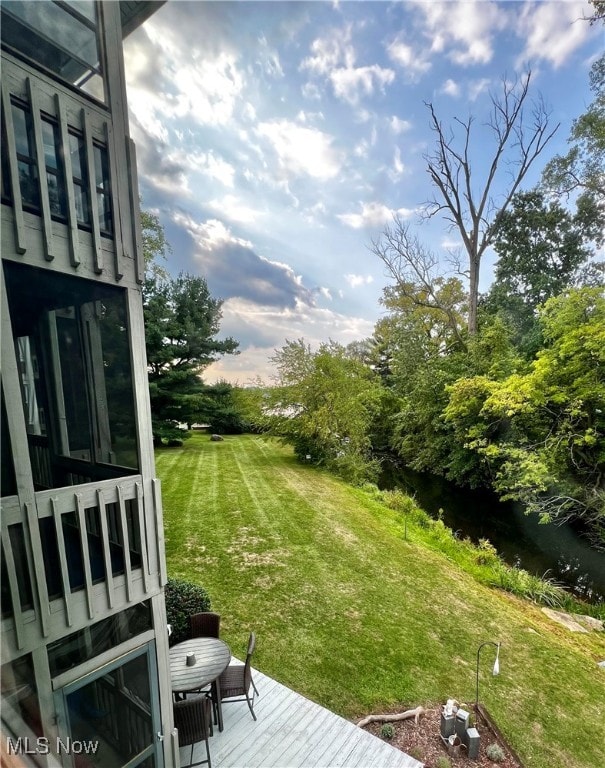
(65, 238)
(100, 540)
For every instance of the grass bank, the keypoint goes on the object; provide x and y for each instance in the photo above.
(350, 614)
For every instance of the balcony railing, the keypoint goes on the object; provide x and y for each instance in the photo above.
(61, 177)
(85, 551)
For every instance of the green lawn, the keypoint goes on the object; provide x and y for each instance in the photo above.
(349, 614)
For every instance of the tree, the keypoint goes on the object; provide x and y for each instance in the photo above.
(542, 432)
(582, 169)
(468, 204)
(324, 405)
(599, 11)
(182, 321)
(542, 250)
(413, 267)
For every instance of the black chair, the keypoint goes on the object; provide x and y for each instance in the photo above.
(205, 624)
(193, 720)
(236, 680)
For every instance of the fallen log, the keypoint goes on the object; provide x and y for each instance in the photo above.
(415, 713)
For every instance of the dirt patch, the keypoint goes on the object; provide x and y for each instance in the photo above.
(423, 742)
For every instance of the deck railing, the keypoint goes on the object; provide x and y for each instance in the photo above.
(84, 551)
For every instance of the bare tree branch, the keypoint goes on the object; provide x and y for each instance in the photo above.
(413, 266)
(476, 214)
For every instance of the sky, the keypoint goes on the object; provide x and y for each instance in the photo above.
(276, 140)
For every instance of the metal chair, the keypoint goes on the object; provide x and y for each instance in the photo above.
(236, 680)
(193, 720)
(205, 624)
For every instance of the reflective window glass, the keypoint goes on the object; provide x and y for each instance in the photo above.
(62, 37)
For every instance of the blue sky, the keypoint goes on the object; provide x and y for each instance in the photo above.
(276, 139)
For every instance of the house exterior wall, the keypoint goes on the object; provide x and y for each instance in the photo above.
(82, 537)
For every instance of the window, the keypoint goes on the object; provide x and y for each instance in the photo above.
(59, 36)
(77, 151)
(72, 342)
(26, 157)
(102, 187)
(7, 466)
(6, 192)
(20, 706)
(91, 641)
(118, 706)
(54, 168)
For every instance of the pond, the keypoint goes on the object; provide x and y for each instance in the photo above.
(558, 551)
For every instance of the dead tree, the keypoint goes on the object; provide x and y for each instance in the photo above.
(469, 204)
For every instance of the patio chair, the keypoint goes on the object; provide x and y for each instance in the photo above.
(193, 720)
(205, 624)
(236, 680)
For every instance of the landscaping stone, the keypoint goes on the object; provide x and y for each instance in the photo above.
(216, 438)
(566, 619)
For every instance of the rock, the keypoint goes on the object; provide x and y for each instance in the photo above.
(216, 438)
(566, 619)
(589, 622)
(602, 664)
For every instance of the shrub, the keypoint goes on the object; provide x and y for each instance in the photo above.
(387, 731)
(487, 554)
(495, 752)
(443, 762)
(183, 598)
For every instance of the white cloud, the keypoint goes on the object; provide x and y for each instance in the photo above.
(552, 31)
(271, 327)
(309, 117)
(269, 59)
(168, 80)
(334, 57)
(463, 29)
(210, 234)
(397, 125)
(311, 91)
(396, 172)
(373, 215)
(330, 52)
(450, 88)
(315, 213)
(413, 61)
(234, 209)
(356, 280)
(477, 87)
(301, 150)
(213, 166)
(325, 292)
(351, 83)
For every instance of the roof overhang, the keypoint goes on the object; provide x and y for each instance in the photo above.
(134, 12)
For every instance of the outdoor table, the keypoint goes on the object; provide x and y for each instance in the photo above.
(212, 656)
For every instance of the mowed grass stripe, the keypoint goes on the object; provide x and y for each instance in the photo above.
(356, 618)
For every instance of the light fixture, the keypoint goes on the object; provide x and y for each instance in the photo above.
(496, 669)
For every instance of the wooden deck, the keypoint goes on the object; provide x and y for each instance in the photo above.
(293, 732)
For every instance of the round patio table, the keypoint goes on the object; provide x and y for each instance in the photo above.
(212, 656)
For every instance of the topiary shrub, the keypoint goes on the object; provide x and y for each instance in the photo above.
(387, 731)
(495, 753)
(183, 598)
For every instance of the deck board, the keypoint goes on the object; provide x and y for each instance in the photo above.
(293, 732)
